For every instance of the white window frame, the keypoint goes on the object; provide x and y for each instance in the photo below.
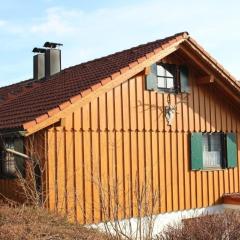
(212, 157)
(164, 74)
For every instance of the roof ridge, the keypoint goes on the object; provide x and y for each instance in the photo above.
(17, 83)
(100, 58)
(129, 49)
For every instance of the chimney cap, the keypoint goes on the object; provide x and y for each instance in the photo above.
(52, 45)
(39, 50)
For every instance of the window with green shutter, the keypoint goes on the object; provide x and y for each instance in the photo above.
(213, 150)
(165, 77)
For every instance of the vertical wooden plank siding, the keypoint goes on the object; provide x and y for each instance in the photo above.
(52, 170)
(119, 164)
(70, 169)
(61, 172)
(95, 137)
(120, 142)
(78, 143)
(105, 154)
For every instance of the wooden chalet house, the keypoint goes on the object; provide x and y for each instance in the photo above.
(165, 115)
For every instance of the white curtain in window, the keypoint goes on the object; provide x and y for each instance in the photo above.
(212, 159)
(212, 150)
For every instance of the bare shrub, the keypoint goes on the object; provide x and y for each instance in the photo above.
(224, 225)
(31, 186)
(143, 202)
(24, 223)
(128, 206)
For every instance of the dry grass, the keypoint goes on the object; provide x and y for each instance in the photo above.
(36, 223)
(212, 227)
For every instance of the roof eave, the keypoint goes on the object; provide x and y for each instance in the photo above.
(13, 131)
(231, 80)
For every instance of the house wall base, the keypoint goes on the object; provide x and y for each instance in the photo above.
(231, 206)
(130, 227)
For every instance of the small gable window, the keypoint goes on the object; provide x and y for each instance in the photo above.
(163, 77)
(166, 77)
(11, 164)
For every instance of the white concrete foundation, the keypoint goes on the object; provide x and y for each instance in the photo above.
(131, 227)
(231, 206)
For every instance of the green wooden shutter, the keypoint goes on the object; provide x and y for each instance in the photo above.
(151, 79)
(196, 151)
(20, 162)
(231, 142)
(184, 79)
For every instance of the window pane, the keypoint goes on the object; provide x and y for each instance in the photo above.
(205, 142)
(170, 83)
(212, 150)
(169, 74)
(170, 70)
(161, 82)
(160, 70)
(215, 142)
(9, 166)
(166, 75)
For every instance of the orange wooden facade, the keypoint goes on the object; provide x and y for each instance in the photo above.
(120, 141)
(121, 138)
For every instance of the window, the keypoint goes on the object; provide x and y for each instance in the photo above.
(8, 161)
(167, 77)
(213, 150)
(164, 77)
(11, 163)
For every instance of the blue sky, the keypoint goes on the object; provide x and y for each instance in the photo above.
(91, 28)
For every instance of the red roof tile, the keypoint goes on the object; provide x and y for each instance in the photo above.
(12, 91)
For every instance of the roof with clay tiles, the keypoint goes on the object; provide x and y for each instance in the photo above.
(30, 102)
